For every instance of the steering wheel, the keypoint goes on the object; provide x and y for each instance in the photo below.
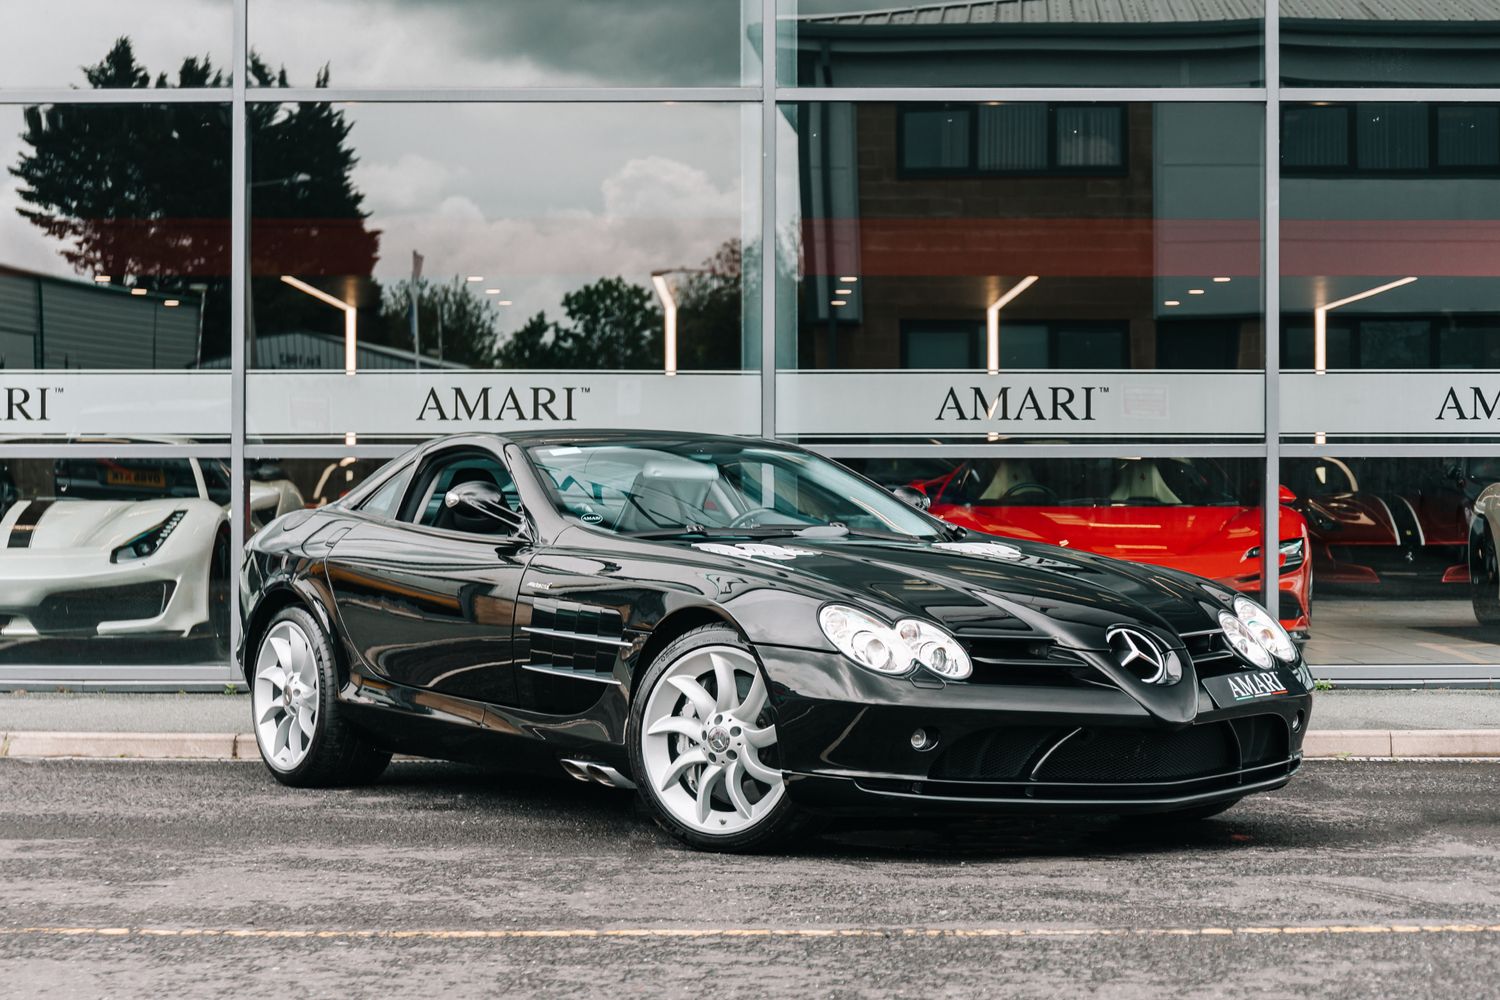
(747, 519)
(1049, 495)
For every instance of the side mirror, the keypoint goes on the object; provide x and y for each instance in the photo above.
(481, 508)
(1285, 495)
(915, 498)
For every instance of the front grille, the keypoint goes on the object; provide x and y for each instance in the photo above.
(1025, 660)
(995, 754)
(1211, 654)
(1050, 761)
(1124, 755)
(84, 610)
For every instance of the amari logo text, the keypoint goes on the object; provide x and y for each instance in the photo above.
(1472, 405)
(1261, 684)
(23, 404)
(1035, 405)
(534, 403)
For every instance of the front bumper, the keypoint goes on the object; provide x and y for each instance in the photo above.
(81, 593)
(844, 739)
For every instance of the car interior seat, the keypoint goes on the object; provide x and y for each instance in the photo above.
(1141, 482)
(1009, 473)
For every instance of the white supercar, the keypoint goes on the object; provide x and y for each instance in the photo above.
(128, 547)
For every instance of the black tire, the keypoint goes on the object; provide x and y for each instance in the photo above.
(1484, 575)
(218, 594)
(338, 754)
(785, 823)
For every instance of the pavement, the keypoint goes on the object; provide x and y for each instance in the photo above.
(148, 879)
(1354, 722)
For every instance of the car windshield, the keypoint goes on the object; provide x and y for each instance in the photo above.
(124, 478)
(718, 487)
(1091, 482)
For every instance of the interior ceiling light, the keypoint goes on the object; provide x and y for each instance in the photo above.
(839, 302)
(848, 280)
(476, 277)
(843, 291)
(1221, 281)
(492, 291)
(1195, 291)
(992, 322)
(1172, 302)
(102, 279)
(137, 291)
(171, 303)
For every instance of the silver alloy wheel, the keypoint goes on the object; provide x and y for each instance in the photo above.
(702, 746)
(284, 697)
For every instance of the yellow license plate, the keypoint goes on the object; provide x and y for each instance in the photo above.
(135, 477)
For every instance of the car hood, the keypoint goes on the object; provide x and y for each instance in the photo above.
(85, 524)
(982, 582)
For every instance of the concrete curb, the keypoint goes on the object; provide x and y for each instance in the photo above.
(1319, 744)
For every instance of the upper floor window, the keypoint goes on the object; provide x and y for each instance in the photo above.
(1390, 139)
(1011, 139)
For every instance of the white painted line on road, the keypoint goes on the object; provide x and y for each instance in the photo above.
(257, 933)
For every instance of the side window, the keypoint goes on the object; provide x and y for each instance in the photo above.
(385, 501)
(425, 505)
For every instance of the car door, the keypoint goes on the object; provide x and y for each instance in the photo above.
(424, 604)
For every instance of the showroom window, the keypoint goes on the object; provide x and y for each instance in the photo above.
(1016, 262)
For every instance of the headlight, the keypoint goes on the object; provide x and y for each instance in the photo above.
(1244, 643)
(893, 649)
(148, 541)
(1266, 630)
(1292, 552)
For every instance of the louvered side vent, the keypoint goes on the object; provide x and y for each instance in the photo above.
(566, 636)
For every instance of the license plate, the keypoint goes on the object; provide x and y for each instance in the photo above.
(135, 477)
(1251, 685)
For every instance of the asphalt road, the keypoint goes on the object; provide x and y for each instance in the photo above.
(121, 879)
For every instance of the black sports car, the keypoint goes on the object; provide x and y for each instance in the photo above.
(752, 635)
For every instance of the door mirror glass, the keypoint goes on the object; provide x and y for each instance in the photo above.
(915, 498)
(480, 508)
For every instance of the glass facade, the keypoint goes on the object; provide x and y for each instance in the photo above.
(1169, 282)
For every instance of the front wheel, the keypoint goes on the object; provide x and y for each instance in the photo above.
(703, 746)
(303, 737)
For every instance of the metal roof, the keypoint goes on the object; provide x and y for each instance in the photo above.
(958, 13)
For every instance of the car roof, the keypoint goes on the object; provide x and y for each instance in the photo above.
(580, 436)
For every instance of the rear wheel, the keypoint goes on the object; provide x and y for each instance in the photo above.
(299, 727)
(703, 746)
(1484, 576)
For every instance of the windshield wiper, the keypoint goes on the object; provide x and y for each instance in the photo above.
(699, 531)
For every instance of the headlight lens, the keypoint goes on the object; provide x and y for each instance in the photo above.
(1266, 630)
(148, 541)
(893, 649)
(1243, 641)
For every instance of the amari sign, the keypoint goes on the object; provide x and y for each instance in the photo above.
(420, 404)
(1389, 403)
(1104, 404)
(115, 403)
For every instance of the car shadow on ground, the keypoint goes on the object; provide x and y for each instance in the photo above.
(444, 786)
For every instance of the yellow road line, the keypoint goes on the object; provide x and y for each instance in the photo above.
(258, 933)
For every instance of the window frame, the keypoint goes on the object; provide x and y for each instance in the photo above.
(1351, 166)
(972, 169)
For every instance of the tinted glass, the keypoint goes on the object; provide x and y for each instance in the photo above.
(1402, 551)
(114, 239)
(1414, 43)
(187, 42)
(110, 562)
(716, 488)
(477, 43)
(1390, 214)
(1069, 236)
(849, 43)
(554, 236)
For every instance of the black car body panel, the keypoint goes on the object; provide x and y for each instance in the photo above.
(525, 649)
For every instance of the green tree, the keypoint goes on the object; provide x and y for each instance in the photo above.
(455, 324)
(141, 192)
